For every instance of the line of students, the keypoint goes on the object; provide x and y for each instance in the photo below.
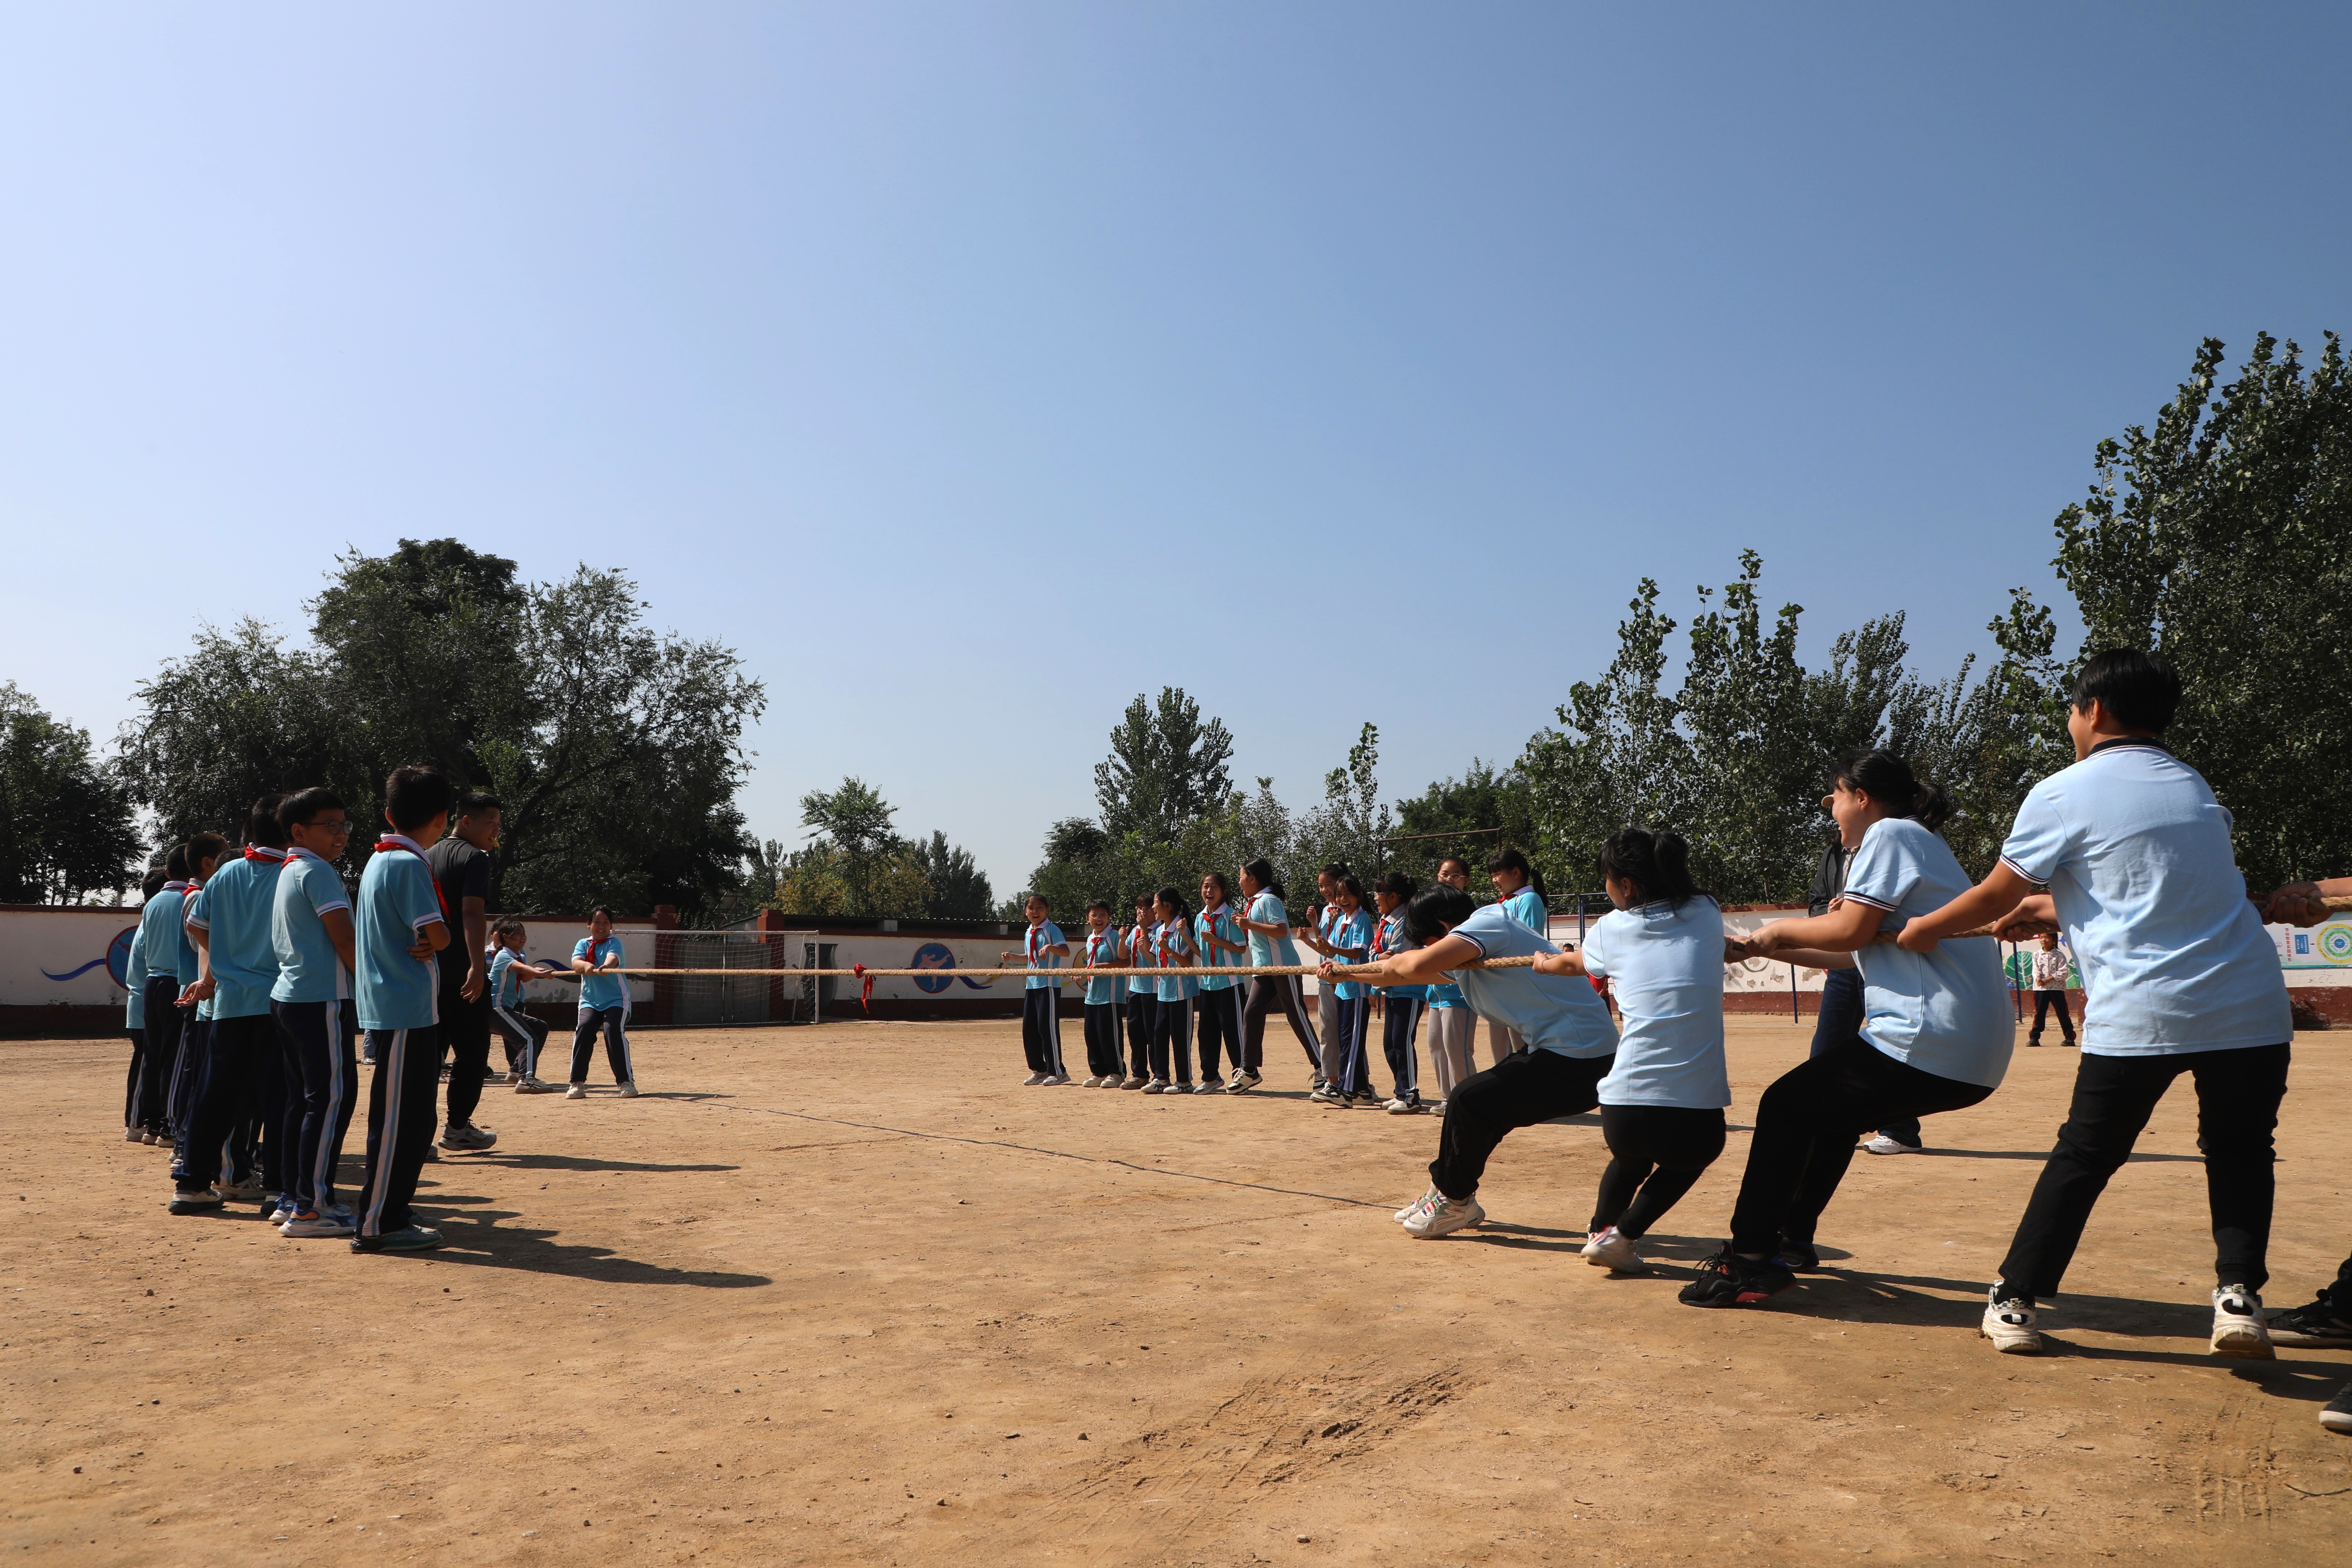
(2127, 852)
(256, 982)
(1163, 1015)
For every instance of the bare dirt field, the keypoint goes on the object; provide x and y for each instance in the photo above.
(850, 1294)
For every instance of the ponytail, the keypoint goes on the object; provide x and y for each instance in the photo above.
(1657, 864)
(1888, 779)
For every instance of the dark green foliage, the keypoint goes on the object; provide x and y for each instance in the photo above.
(65, 817)
(1481, 798)
(2223, 539)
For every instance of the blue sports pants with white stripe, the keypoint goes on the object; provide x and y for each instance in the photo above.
(321, 1042)
(403, 1107)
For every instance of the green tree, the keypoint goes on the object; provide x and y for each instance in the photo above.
(1748, 803)
(1166, 768)
(1500, 804)
(2222, 538)
(1349, 825)
(65, 817)
(960, 890)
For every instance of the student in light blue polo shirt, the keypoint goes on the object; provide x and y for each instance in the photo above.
(2178, 976)
(1344, 936)
(1519, 886)
(1101, 1000)
(159, 939)
(1662, 1103)
(1453, 1024)
(311, 936)
(1935, 1035)
(243, 1088)
(205, 852)
(400, 926)
(1571, 1040)
(1171, 1034)
(1218, 937)
(604, 1007)
(1401, 1006)
(134, 1010)
(1268, 919)
(1141, 951)
(1044, 948)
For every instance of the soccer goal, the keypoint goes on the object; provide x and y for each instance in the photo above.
(712, 1001)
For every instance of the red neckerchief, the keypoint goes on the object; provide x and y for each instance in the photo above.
(175, 887)
(391, 842)
(1033, 943)
(1094, 948)
(1138, 947)
(1208, 920)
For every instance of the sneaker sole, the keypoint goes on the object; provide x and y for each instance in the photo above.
(2336, 1421)
(2013, 1347)
(2311, 1341)
(2243, 1347)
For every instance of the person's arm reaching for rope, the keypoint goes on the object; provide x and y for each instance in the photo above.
(2002, 896)
(2299, 903)
(1847, 924)
(1570, 962)
(1414, 966)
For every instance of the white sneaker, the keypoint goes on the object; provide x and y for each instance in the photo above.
(575, 1091)
(2010, 1325)
(1609, 1248)
(1243, 1082)
(1883, 1144)
(535, 1086)
(283, 1212)
(2239, 1327)
(1326, 1095)
(1157, 1086)
(134, 1135)
(1402, 1107)
(465, 1137)
(1034, 1078)
(337, 1221)
(1135, 1083)
(1442, 1215)
(629, 1089)
(1093, 1082)
(1415, 1206)
(1210, 1086)
(1052, 1079)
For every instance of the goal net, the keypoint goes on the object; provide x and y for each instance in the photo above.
(711, 1001)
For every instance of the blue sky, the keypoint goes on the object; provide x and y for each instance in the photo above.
(972, 368)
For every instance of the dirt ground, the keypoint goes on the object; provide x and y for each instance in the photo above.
(850, 1294)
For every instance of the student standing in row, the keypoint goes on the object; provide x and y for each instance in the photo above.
(1101, 1001)
(1267, 921)
(1453, 1023)
(204, 850)
(1401, 1006)
(135, 1012)
(1040, 995)
(1344, 938)
(2136, 854)
(158, 941)
(1171, 1035)
(1326, 998)
(1572, 1042)
(241, 1099)
(525, 1036)
(1520, 888)
(1217, 938)
(461, 868)
(1936, 1033)
(1142, 995)
(604, 1007)
(313, 937)
(1662, 1102)
(401, 926)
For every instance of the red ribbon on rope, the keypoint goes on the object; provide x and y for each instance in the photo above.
(866, 988)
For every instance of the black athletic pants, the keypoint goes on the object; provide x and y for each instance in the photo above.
(1840, 1021)
(525, 1038)
(400, 1123)
(1102, 1040)
(1806, 1125)
(1400, 1024)
(1171, 1040)
(2238, 1095)
(179, 1099)
(1220, 1020)
(1268, 991)
(1143, 1025)
(2044, 1004)
(1523, 1089)
(1656, 1153)
(1350, 1071)
(241, 1079)
(1041, 1028)
(131, 1088)
(466, 1031)
(320, 1045)
(614, 1022)
(165, 1022)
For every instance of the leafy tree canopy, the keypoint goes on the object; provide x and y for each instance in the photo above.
(66, 826)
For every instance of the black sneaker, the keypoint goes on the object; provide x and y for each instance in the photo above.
(2323, 1325)
(1797, 1256)
(1728, 1280)
(2337, 1416)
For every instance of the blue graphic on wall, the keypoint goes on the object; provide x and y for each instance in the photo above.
(117, 958)
(935, 956)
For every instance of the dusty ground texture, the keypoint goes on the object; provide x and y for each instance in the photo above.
(851, 1295)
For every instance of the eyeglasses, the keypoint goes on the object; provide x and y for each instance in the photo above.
(342, 829)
